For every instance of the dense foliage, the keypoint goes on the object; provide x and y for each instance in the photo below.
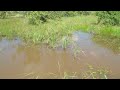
(36, 17)
(109, 17)
(3, 14)
(8, 14)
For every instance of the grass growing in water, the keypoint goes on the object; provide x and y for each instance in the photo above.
(54, 31)
(50, 33)
(96, 73)
(91, 73)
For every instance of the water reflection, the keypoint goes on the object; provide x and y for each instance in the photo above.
(112, 44)
(16, 58)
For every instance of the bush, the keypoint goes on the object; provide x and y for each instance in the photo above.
(8, 14)
(36, 17)
(85, 12)
(3, 14)
(109, 17)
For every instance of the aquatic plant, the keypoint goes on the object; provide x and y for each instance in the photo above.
(65, 42)
(96, 73)
(92, 72)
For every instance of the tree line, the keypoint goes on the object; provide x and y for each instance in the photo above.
(36, 17)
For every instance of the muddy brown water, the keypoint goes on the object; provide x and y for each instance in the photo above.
(20, 61)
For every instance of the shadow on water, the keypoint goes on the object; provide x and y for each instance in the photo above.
(18, 60)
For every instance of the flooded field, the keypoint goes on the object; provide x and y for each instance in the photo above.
(18, 60)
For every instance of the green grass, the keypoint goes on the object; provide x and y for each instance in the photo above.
(53, 32)
(50, 33)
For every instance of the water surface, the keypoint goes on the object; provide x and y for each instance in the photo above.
(20, 61)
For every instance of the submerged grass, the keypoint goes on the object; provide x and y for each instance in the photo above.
(91, 73)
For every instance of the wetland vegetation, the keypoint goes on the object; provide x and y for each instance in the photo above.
(54, 30)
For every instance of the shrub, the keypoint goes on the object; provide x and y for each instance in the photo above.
(3, 14)
(109, 17)
(36, 17)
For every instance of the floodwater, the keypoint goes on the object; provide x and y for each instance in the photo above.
(18, 60)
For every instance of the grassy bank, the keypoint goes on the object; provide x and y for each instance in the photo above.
(54, 31)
